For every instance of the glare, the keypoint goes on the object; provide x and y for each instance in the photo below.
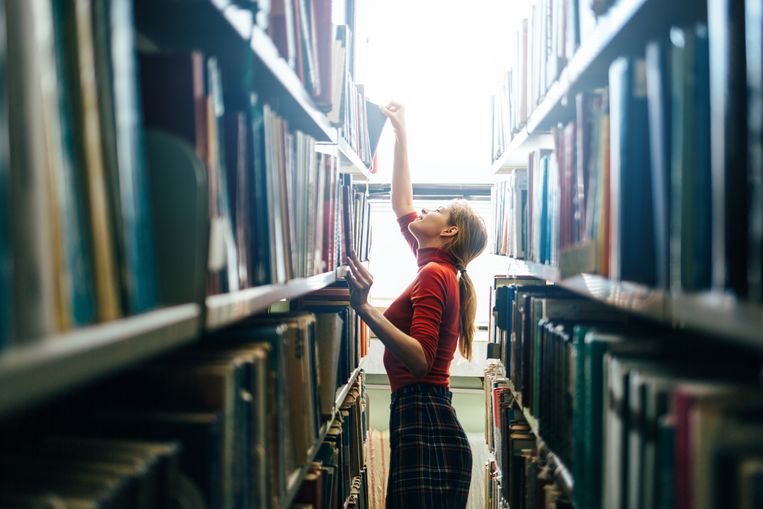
(442, 59)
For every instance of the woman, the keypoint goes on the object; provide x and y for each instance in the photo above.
(431, 462)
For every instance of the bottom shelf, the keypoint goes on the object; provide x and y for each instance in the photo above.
(296, 477)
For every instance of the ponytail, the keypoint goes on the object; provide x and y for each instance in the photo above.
(468, 243)
(468, 310)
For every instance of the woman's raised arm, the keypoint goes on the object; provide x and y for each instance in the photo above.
(402, 190)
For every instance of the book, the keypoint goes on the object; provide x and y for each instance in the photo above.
(728, 134)
(180, 217)
(658, 82)
(119, 105)
(754, 67)
(34, 279)
(632, 255)
(6, 274)
(691, 246)
(376, 120)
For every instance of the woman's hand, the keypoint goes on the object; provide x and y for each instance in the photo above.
(396, 114)
(360, 281)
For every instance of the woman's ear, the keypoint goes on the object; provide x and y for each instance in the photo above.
(450, 231)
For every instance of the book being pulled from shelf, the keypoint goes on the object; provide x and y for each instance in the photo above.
(76, 240)
(642, 417)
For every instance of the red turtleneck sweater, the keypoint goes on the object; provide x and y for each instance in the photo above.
(428, 311)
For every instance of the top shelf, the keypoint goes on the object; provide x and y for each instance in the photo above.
(631, 21)
(706, 312)
(227, 31)
(312, 120)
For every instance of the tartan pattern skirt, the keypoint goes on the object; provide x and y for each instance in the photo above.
(430, 458)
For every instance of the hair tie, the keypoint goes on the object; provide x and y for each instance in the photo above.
(461, 269)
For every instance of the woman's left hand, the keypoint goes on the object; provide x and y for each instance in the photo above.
(360, 281)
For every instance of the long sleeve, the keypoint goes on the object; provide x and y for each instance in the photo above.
(404, 221)
(428, 298)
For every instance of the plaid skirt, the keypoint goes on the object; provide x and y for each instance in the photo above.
(430, 458)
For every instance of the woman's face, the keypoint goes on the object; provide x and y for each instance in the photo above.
(430, 223)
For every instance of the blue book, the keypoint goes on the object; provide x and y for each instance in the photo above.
(632, 254)
(131, 194)
(700, 266)
(658, 98)
(545, 250)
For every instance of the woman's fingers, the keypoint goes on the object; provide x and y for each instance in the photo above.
(359, 270)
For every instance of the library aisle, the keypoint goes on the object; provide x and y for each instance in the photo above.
(182, 183)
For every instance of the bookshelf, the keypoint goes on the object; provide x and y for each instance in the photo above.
(704, 312)
(644, 204)
(83, 355)
(245, 100)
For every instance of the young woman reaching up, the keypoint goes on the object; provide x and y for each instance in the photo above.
(431, 461)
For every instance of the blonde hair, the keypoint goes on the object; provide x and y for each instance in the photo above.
(466, 245)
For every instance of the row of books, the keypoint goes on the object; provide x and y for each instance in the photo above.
(526, 207)
(95, 208)
(543, 43)
(269, 191)
(75, 221)
(338, 477)
(644, 417)
(645, 193)
(510, 202)
(519, 474)
(247, 407)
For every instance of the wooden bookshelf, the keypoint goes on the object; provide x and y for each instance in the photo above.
(705, 312)
(298, 476)
(76, 357)
(228, 308)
